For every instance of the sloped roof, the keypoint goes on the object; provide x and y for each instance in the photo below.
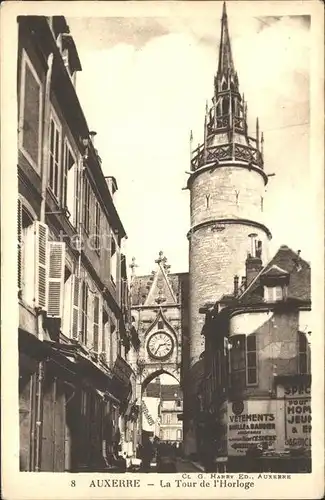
(285, 261)
(142, 285)
(161, 290)
(275, 271)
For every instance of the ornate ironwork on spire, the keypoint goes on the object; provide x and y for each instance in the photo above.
(225, 125)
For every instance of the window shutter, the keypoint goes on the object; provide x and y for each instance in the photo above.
(71, 193)
(96, 323)
(75, 307)
(84, 313)
(19, 235)
(268, 294)
(278, 293)
(91, 214)
(64, 197)
(41, 265)
(56, 279)
(77, 194)
(105, 252)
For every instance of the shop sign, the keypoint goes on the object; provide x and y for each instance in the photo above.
(297, 416)
(251, 424)
(147, 414)
(150, 411)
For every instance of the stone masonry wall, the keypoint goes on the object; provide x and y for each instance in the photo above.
(217, 254)
(227, 192)
(215, 258)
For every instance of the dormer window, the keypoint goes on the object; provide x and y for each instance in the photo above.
(273, 293)
(276, 282)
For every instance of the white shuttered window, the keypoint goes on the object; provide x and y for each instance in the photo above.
(56, 279)
(75, 307)
(41, 265)
(96, 323)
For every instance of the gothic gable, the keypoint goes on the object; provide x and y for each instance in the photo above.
(161, 291)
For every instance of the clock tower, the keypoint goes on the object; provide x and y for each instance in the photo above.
(227, 185)
(157, 316)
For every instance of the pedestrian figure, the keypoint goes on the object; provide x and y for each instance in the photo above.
(147, 454)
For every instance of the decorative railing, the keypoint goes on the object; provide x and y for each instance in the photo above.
(239, 123)
(223, 123)
(226, 152)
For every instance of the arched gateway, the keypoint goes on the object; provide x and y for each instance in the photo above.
(158, 316)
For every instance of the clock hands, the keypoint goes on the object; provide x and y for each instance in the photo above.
(160, 345)
(158, 348)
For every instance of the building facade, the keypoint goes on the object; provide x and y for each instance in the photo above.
(257, 390)
(75, 333)
(227, 185)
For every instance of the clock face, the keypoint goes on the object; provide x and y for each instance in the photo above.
(160, 345)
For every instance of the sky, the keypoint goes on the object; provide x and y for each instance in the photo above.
(143, 87)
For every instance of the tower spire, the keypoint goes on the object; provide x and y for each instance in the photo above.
(226, 122)
(226, 63)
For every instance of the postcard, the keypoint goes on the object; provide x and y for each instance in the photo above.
(162, 249)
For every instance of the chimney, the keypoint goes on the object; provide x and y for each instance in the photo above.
(297, 261)
(243, 284)
(92, 136)
(259, 249)
(253, 261)
(236, 285)
(111, 184)
(253, 267)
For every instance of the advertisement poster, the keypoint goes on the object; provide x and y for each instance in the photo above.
(251, 424)
(150, 415)
(298, 417)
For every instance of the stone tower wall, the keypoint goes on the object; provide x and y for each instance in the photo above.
(218, 249)
(226, 192)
